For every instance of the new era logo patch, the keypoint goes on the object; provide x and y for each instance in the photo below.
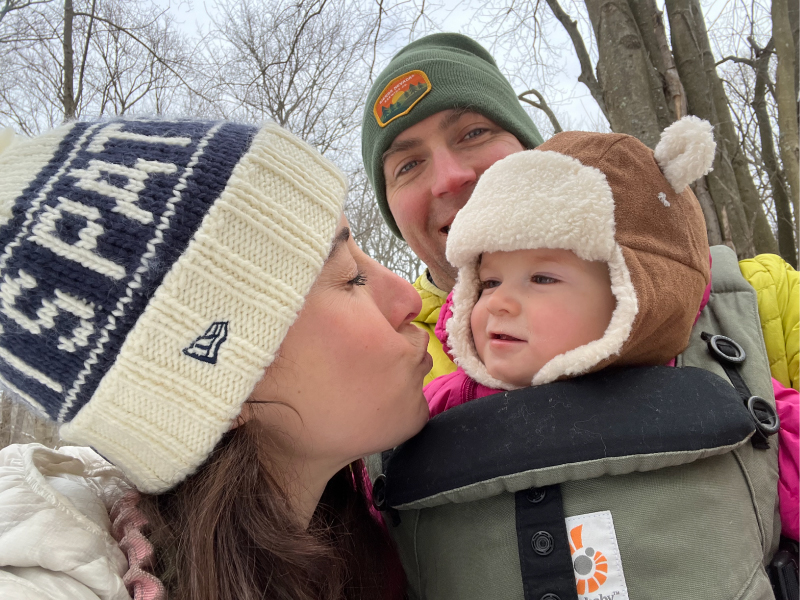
(206, 347)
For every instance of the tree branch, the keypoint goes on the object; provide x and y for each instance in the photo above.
(543, 106)
(587, 73)
(144, 45)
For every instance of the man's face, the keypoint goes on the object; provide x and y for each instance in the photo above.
(431, 169)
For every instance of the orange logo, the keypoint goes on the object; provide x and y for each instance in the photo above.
(400, 96)
(591, 567)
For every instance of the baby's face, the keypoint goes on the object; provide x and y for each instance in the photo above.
(535, 305)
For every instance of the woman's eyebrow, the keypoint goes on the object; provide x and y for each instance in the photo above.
(341, 238)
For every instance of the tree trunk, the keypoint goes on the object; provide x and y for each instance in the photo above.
(783, 210)
(587, 74)
(651, 29)
(713, 229)
(68, 99)
(730, 183)
(625, 72)
(786, 96)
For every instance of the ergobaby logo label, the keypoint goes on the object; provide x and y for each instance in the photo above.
(400, 96)
(206, 347)
(596, 558)
(91, 237)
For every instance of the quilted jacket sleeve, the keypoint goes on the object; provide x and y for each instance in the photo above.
(778, 287)
(55, 538)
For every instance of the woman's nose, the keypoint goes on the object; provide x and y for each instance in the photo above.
(503, 301)
(394, 296)
(451, 173)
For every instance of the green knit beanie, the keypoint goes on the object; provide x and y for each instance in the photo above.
(435, 73)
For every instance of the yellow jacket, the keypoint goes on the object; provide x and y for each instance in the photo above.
(774, 280)
(776, 284)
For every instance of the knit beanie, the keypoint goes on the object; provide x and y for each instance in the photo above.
(435, 73)
(605, 197)
(149, 271)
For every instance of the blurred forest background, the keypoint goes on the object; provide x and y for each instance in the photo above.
(630, 66)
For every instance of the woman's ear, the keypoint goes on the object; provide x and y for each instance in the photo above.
(244, 415)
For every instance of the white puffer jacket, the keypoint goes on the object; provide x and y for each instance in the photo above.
(55, 540)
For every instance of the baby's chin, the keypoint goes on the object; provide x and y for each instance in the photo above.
(516, 378)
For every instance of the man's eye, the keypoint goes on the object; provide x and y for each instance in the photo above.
(543, 279)
(475, 133)
(407, 167)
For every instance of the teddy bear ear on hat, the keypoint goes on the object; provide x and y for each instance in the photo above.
(686, 151)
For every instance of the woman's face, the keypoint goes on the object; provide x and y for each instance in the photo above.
(347, 381)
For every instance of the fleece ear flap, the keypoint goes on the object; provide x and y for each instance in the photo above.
(686, 151)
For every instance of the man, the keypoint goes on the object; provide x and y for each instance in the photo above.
(437, 117)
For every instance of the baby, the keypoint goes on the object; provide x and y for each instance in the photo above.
(587, 252)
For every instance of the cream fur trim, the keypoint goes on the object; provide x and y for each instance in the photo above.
(686, 151)
(158, 413)
(529, 200)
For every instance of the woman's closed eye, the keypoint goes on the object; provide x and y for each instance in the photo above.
(359, 279)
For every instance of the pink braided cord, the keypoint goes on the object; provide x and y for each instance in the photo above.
(127, 522)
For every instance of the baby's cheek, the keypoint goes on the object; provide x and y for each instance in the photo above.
(478, 325)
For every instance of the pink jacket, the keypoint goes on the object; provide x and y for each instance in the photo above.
(456, 388)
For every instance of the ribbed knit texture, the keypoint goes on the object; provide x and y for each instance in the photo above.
(148, 276)
(462, 75)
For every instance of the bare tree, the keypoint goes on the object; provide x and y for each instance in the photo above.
(88, 57)
(642, 81)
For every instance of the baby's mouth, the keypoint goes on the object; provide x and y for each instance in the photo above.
(445, 230)
(503, 336)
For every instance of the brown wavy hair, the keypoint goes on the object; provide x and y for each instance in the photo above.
(228, 533)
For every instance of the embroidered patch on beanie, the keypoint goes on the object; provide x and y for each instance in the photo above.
(400, 95)
(91, 237)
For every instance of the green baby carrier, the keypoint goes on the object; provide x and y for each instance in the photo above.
(645, 482)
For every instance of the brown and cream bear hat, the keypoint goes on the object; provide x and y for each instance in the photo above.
(606, 197)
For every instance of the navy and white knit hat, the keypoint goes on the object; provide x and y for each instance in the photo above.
(149, 271)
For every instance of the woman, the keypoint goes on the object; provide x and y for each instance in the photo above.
(152, 278)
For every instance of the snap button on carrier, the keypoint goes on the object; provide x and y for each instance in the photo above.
(536, 495)
(379, 493)
(542, 543)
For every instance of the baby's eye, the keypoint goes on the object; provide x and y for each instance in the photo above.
(543, 279)
(489, 283)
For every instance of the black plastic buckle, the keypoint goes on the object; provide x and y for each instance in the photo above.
(764, 415)
(724, 348)
(783, 571)
(730, 355)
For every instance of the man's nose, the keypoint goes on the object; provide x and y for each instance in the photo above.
(502, 301)
(452, 173)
